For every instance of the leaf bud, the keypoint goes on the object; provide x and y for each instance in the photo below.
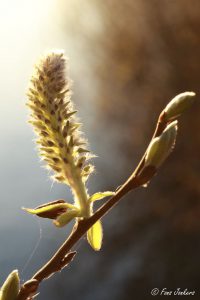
(161, 146)
(10, 288)
(178, 105)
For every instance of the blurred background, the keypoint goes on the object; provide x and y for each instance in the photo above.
(127, 60)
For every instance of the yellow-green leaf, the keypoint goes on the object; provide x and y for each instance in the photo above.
(65, 218)
(10, 288)
(100, 195)
(50, 210)
(95, 236)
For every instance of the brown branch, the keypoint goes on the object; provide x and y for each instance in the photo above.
(64, 255)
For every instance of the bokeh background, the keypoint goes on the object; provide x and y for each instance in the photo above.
(127, 59)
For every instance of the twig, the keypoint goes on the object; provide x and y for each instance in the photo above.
(64, 255)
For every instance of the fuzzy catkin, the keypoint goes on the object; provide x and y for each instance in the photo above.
(60, 142)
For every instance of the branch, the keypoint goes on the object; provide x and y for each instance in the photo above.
(161, 145)
(64, 255)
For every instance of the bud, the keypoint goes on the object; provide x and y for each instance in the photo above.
(160, 147)
(29, 288)
(10, 288)
(178, 105)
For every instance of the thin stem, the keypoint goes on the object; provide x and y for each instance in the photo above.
(80, 192)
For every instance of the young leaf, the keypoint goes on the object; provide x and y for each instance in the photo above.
(65, 218)
(95, 236)
(10, 288)
(50, 210)
(100, 195)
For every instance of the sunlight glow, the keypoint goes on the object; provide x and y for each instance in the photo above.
(23, 34)
(20, 23)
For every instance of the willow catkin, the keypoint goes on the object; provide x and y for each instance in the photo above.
(60, 141)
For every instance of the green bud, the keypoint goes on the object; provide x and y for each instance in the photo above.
(10, 288)
(178, 105)
(160, 147)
